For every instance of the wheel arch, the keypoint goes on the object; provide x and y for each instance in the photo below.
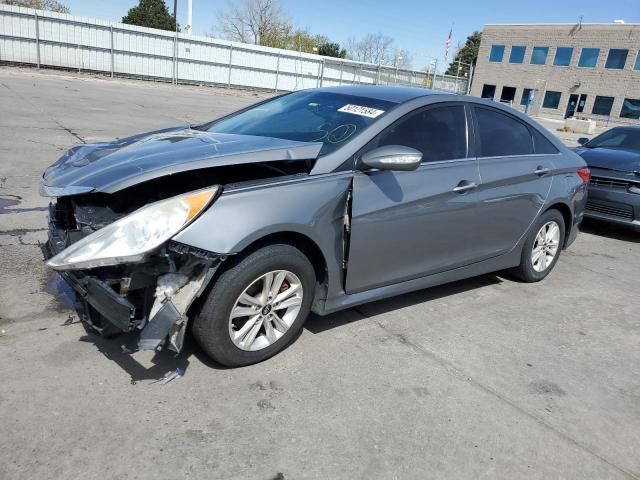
(299, 240)
(567, 216)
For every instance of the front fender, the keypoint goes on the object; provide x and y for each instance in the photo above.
(312, 206)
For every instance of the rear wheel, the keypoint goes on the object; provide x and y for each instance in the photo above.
(542, 248)
(256, 307)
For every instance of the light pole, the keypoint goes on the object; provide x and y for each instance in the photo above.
(397, 62)
(188, 29)
(467, 74)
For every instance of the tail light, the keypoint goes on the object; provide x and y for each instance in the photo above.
(585, 174)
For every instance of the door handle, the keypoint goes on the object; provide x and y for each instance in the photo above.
(541, 170)
(465, 186)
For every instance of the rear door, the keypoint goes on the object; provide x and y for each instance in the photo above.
(410, 224)
(516, 164)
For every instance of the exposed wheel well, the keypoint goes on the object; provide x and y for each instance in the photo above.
(566, 215)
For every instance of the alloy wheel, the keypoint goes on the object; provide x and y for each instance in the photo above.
(265, 310)
(545, 246)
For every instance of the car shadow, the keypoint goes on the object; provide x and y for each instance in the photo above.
(317, 324)
(609, 230)
(165, 361)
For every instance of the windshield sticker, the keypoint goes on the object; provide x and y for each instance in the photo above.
(362, 111)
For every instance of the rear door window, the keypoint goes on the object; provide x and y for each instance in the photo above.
(440, 133)
(500, 135)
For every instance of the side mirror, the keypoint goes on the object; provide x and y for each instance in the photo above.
(392, 157)
(583, 140)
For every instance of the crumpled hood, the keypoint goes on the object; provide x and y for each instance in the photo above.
(610, 158)
(111, 166)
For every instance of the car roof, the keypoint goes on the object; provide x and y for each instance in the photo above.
(383, 92)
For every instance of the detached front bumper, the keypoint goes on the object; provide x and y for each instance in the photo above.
(151, 297)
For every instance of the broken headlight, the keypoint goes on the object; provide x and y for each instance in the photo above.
(130, 238)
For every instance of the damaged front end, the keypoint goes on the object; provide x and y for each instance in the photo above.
(120, 204)
(130, 278)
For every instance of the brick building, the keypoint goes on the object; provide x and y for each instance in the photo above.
(563, 70)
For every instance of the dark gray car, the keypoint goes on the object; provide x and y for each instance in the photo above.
(318, 200)
(614, 189)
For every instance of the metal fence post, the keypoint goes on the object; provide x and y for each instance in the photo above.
(230, 65)
(35, 14)
(341, 69)
(277, 71)
(322, 73)
(378, 75)
(112, 55)
(318, 74)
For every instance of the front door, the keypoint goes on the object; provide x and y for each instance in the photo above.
(411, 224)
(516, 166)
(572, 104)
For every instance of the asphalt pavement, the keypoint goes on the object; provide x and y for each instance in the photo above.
(483, 378)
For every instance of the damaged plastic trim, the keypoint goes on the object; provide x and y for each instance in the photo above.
(174, 295)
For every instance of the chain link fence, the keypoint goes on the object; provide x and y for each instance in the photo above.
(48, 39)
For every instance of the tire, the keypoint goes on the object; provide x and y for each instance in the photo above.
(222, 338)
(528, 271)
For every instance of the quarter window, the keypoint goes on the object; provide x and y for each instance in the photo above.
(637, 65)
(551, 99)
(602, 105)
(588, 57)
(630, 108)
(440, 133)
(496, 54)
(617, 58)
(501, 135)
(563, 56)
(517, 54)
(539, 55)
(542, 143)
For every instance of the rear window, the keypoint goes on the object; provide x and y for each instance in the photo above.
(307, 116)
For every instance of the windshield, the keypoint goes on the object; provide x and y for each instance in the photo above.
(307, 116)
(623, 138)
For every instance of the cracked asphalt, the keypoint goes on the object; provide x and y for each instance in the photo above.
(484, 378)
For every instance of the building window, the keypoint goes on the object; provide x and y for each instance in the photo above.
(589, 57)
(602, 105)
(497, 52)
(563, 56)
(637, 65)
(526, 93)
(488, 91)
(551, 99)
(630, 108)
(539, 55)
(617, 58)
(508, 94)
(517, 54)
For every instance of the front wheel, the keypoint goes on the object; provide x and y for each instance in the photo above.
(256, 307)
(542, 248)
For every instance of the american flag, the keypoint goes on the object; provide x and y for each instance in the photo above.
(447, 45)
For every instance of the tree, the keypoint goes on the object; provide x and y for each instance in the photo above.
(331, 49)
(51, 5)
(466, 55)
(260, 22)
(152, 14)
(378, 48)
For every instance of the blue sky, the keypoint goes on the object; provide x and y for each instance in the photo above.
(419, 26)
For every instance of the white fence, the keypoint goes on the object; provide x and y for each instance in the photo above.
(49, 39)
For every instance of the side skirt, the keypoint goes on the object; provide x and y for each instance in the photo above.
(341, 302)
